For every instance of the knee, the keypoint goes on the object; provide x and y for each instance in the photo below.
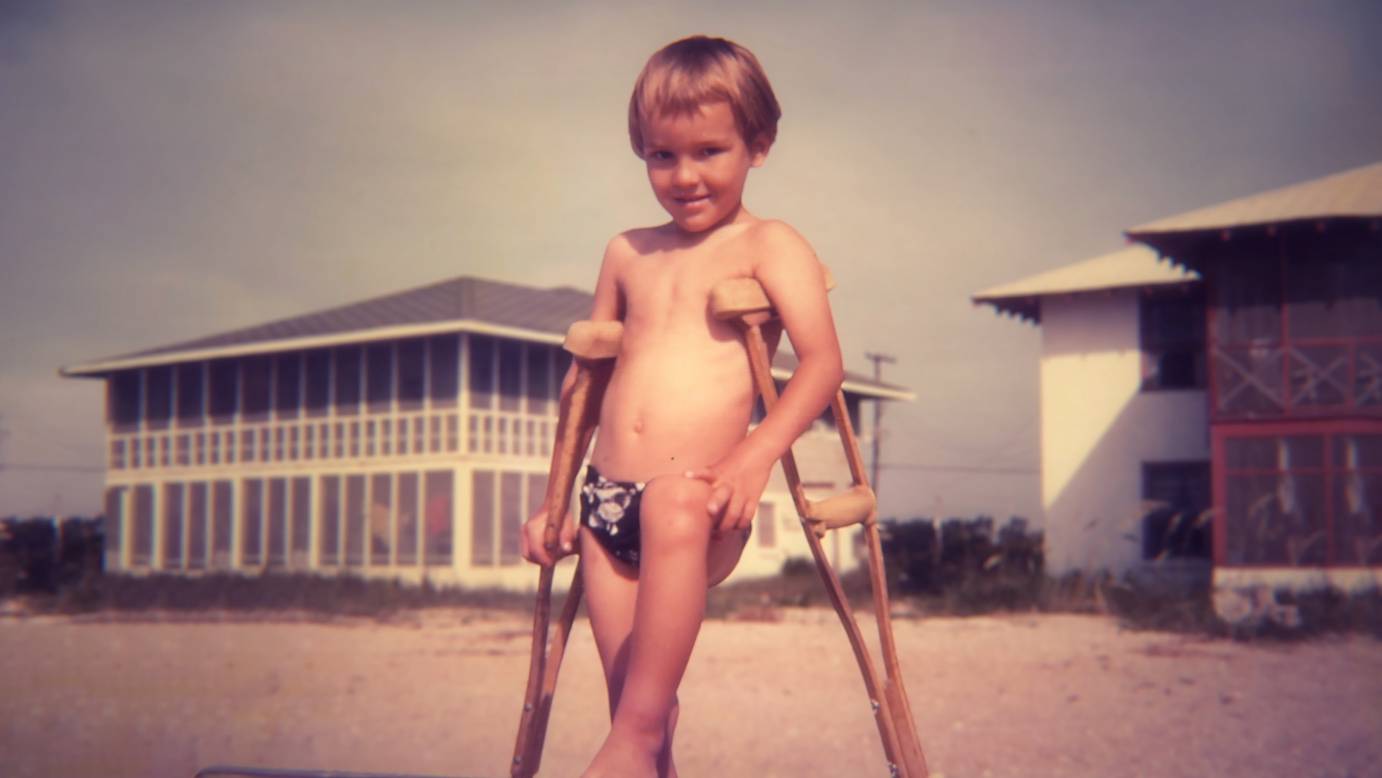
(673, 509)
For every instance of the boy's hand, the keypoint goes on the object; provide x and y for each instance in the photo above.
(530, 540)
(734, 491)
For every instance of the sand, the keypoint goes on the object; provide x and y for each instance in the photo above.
(438, 693)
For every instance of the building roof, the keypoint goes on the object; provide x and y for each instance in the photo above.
(1132, 266)
(1355, 193)
(463, 304)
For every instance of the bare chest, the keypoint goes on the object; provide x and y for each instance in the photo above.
(666, 289)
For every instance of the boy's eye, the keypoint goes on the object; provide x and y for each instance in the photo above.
(711, 151)
(659, 155)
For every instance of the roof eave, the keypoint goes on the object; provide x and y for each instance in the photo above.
(1027, 308)
(103, 367)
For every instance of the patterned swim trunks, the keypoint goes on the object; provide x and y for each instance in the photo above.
(609, 509)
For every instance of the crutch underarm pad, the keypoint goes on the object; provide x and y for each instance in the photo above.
(745, 296)
(594, 339)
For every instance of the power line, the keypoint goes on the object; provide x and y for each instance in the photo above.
(47, 466)
(960, 468)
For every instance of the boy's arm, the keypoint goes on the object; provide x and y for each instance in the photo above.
(607, 306)
(794, 281)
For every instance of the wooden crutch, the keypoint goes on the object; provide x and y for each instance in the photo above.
(593, 346)
(744, 302)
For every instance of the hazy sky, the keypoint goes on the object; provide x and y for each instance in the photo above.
(172, 169)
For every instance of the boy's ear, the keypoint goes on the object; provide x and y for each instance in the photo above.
(758, 149)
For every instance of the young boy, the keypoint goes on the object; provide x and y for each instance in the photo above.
(674, 481)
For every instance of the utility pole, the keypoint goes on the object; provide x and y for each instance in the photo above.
(878, 361)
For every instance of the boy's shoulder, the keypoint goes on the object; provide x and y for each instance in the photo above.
(776, 243)
(776, 234)
(639, 241)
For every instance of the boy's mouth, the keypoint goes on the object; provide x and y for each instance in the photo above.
(692, 200)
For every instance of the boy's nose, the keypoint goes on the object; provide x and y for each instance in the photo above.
(685, 173)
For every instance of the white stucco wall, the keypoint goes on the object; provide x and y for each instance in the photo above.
(1097, 428)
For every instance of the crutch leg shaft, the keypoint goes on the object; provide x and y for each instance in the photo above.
(891, 709)
(576, 421)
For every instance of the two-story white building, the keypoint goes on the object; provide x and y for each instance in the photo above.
(404, 436)
(1216, 392)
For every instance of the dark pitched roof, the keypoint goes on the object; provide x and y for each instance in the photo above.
(493, 302)
(457, 304)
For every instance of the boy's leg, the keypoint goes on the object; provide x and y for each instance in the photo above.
(611, 590)
(675, 532)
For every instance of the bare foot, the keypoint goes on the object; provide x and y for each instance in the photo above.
(619, 758)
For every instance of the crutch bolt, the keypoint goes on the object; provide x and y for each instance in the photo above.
(892, 770)
(528, 707)
(874, 704)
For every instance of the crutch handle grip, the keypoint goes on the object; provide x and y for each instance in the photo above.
(854, 506)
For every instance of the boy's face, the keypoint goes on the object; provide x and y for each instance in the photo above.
(697, 165)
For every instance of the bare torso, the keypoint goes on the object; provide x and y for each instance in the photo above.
(681, 394)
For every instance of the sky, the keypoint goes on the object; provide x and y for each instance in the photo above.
(174, 169)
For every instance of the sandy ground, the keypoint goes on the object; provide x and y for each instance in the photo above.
(439, 694)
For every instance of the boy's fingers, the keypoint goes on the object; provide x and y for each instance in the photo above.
(719, 499)
(701, 475)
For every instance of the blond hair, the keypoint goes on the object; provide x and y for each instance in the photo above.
(684, 75)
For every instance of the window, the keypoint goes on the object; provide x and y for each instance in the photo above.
(411, 375)
(302, 523)
(510, 517)
(538, 381)
(225, 377)
(380, 513)
(278, 523)
(122, 401)
(355, 520)
(114, 527)
(158, 396)
(379, 377)
(440, 518)
(222, 529)
(252, 522)
(537, 491)
(482, 506)
(142, 536)
(1358, 499)
(1275, 495)
(1176, 523)
(317, 369)
(481, 370)
(444, 352)
(287, 385)
(196, 526)
(405, 520)
(347, 380)
(190, 410)
(172, 526)
(256, 373)
(1303, 499)
(765, 525)
(510, 374)
(330, 520)
(1172, 335)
